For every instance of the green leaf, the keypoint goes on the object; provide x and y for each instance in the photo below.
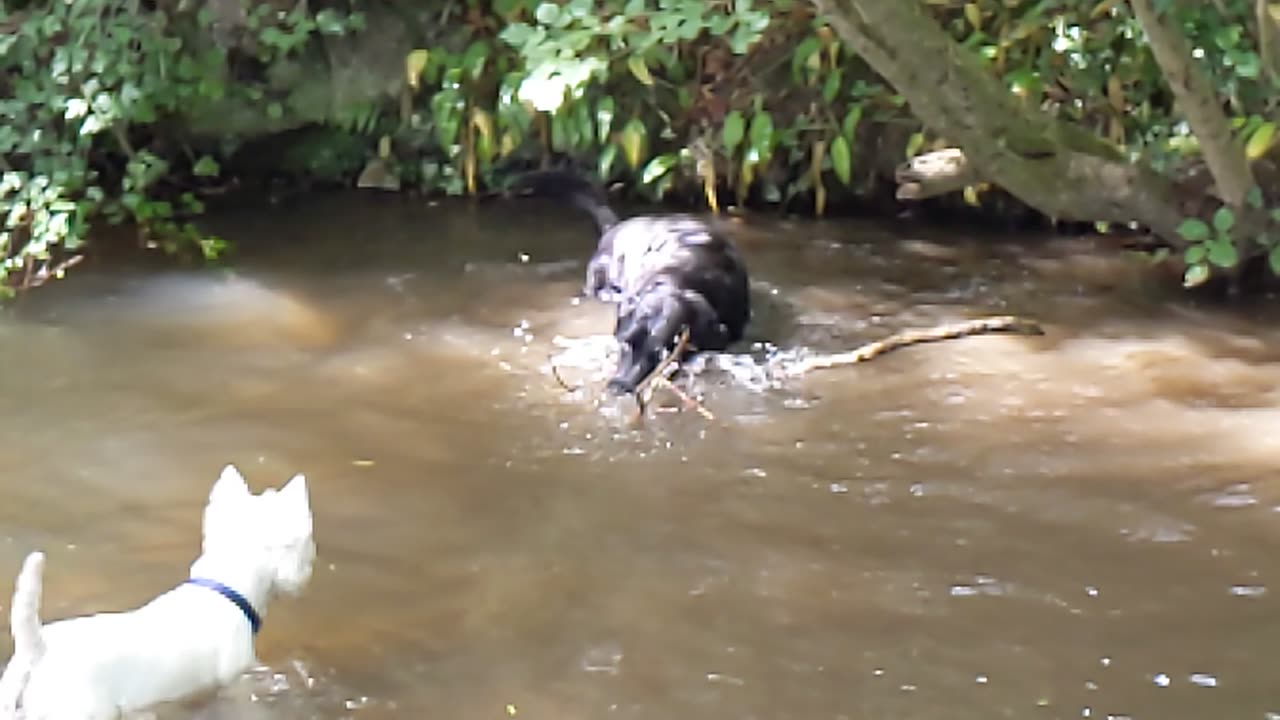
(1273, 259)
(1247, 64)
(809, 47)
(1195, 254)
(1195, 275)
(841, 159)
(1261, 140)
(604, 118)
(586, 130)
(761, 132)
(607, 158)
(636, 65)
(735, 126)
(445, 114)
(831, 87)
(516, 35)
(914, 143)
(849, 128)
(474, 58)
(635, 137)
(206, 167)
(507, 8)
(547, 13)
(1254, 197)
(561, 138)
(1194, 230)
(414, 63)
(1224, 220)
(330, 22)
(577, 40)
(1223, 254)
(657, 167)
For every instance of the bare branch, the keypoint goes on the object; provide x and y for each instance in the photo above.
(906, 338)
(1199, 102)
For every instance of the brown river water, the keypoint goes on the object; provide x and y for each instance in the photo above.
(1085, 524)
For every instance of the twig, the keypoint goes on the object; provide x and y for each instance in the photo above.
(666, 361)
(658, 378)
(689, 401)
(555, 372)
(999, 323)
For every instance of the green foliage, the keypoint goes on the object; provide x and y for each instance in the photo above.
(1214, 244)
(662, 95)
(758, 101)
(1209, 246)
(81, 79)
(1090, 63)
(80, 73)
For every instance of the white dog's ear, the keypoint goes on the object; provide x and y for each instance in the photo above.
(230, 485)
(294, 493)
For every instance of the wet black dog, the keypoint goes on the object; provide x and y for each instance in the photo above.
(666, 273)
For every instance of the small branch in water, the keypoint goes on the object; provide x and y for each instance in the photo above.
(657, 378)
(681, 344)
(979, 326)
(689, 401)
(555, 372)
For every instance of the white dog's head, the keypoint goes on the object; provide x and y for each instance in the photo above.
(272, 530)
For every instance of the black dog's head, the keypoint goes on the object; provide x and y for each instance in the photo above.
(647, 328)
(650, 325)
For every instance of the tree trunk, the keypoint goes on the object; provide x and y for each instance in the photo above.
(1268, 19)
(1199, 103)
(1059, 169)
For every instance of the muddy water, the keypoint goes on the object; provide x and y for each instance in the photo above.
(1080, 525)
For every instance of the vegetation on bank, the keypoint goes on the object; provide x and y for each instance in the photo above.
(1150, 112)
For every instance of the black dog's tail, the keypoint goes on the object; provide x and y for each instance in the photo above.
(579, 191)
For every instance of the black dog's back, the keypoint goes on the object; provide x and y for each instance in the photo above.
(667, 273)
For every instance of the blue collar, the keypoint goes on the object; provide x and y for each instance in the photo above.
(255, 621)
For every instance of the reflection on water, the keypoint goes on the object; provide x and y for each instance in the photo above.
(1079, 525)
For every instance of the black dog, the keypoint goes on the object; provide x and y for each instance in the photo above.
(666, 274)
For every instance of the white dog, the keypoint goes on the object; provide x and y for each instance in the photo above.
(195, 637)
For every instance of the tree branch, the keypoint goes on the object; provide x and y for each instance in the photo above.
(1061, 170)
(1199, 103)
(1268, 19)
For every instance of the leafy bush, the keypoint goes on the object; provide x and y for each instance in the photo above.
(85, 87)
(683, 90)
(752, 100)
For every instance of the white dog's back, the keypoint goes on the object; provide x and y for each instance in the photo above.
(193, 638)
(119, 651)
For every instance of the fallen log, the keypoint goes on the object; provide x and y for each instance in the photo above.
(934, 173)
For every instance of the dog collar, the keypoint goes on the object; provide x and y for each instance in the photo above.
(255, 621)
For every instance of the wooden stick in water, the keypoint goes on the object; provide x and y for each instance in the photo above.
(906, 338)
(657, 378)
